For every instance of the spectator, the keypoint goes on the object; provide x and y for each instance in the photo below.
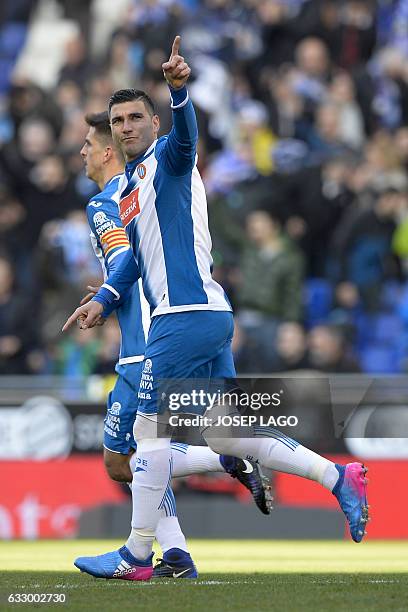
(77, 67)
(329, 351)
(16, 331)
(271, 269)
(291, 348)
(362, 244)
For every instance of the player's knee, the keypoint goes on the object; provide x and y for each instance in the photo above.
(221, 439)
(117, 467)
(221, 446)
(145, 428)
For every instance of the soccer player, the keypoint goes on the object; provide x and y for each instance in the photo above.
(104, 164)
(163, 209)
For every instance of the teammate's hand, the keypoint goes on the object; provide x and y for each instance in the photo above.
(88, 297)
(176, 71)
(87, 316)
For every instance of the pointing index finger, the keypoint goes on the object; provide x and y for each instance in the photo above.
(70, 321)
(176, 46)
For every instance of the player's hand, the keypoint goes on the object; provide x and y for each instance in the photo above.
(87, 316)
(87, 298)
(176, 71)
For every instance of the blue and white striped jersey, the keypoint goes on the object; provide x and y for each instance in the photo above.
(110, 243)
(163, 208)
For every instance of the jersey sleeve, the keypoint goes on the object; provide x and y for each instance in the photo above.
(106, 226)
(178, 154)
(119, 283)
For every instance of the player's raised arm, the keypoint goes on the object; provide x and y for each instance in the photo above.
(180, 150)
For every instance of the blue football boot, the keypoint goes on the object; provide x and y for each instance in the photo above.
(351, 493)
(119, 564)
(176, 563)
(250, 475)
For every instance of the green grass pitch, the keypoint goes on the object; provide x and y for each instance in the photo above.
(247, 576)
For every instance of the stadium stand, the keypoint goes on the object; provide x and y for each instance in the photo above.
(303, 113)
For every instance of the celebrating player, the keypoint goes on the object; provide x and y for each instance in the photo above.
(104, 164)
(163, 209)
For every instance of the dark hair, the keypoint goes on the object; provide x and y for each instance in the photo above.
(129, 95)
(101, 123)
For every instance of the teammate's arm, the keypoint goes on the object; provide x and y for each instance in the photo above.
(178, 154)
(111, 242)
(116, 286)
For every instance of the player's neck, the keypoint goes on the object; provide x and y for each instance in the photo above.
(108, 173)
(138, 156)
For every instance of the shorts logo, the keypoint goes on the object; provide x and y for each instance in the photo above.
(115, 408)
(147, 369)
(129, 207)
(141, 171)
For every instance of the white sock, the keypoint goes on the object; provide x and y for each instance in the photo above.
(194, 460)
(169, 534)
(276, 451)
(151, 479)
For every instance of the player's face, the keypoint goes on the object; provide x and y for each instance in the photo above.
(92, 154)
(133, 128)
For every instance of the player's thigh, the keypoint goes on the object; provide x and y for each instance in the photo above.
(223, 367)
(181, 346)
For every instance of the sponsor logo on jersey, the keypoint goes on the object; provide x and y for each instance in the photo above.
(95, 204)
(105, 227)
(129, 207)
(141, 171)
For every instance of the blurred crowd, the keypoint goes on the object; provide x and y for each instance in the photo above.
(303, 114)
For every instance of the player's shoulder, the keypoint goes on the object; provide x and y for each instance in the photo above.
(160, 145)
(102, 211)
(100, 204)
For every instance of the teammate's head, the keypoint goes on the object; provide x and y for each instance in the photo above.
(133, 121)
(99, 149)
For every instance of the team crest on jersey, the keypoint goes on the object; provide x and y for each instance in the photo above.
(129, 207)
(99, 218)
(141, 171)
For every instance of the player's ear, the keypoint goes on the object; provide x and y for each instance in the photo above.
(108, 154)
(156, 123)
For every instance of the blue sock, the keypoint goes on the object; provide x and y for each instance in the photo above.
(176, 556)
(228, 463)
